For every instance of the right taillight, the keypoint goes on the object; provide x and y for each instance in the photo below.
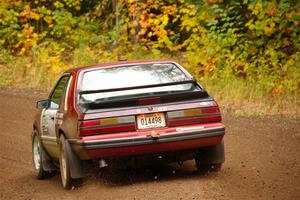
(194, 116)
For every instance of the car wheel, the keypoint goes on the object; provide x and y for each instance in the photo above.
(37, 158)
(210, 158)
(64, 164)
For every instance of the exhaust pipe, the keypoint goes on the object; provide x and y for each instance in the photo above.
(102, 163)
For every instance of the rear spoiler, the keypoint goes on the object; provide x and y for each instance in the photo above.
(137, 87)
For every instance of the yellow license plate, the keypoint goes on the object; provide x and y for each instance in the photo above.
(153, 120)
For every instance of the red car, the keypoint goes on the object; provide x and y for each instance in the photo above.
(126, 109)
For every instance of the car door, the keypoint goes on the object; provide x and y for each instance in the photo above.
(49, 117)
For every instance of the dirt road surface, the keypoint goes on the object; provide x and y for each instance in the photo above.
(262, 162)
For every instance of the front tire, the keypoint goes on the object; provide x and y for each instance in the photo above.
(37, 157)
(64, 164)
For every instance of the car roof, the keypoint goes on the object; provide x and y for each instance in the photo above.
(116, 64)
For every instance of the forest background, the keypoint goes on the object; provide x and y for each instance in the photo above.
(245, 53)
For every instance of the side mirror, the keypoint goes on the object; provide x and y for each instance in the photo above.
(42, 104)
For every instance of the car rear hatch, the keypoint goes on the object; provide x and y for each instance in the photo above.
(138, 100)
(135, 116)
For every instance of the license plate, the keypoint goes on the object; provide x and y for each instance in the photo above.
(154, 120)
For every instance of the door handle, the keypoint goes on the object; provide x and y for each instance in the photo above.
(52, 118)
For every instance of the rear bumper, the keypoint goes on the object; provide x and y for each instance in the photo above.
(179, 138)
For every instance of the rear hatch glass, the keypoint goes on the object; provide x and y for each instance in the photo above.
(108, 85)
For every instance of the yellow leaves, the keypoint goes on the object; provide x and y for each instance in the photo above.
(150, 34)
(158, 23)
(56, 64)
(143, 23)
(169, 9)
(184, 10)
(132, 31)
(214, 1)
(194, 30)
(239, 68)
(211, 67)
(49, 20)
(164, 20)
(269, 29)
(206, 65)
(142, 32)
(203, 16)
(231, 57)
(189, 23)
(257, 8)
(68, 29)
(130, 1)
(78, 4)
(29, 14)
(135, 23)
(28, 30)
(189, 10)
(58, 4)
(27, 39)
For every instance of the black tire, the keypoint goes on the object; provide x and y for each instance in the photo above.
(64, 164)
(37, 157)
(210, 158)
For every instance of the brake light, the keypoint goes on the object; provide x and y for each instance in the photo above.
(89, 123)
(149, 101)
(194, 116)
(107, 125)
(210, 110)
(196, 120)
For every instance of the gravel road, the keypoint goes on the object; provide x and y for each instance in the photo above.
(262, 162)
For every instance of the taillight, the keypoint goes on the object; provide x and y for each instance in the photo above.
(194, 116)
(213, 110)
(107, 125)
(89, 123)
(147, 101)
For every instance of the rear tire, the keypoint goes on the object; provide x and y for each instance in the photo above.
(210, 158)
(37, 157)
(64, 164)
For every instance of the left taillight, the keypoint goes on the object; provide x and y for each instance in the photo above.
(106, 125)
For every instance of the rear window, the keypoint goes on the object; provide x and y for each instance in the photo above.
(131, 76)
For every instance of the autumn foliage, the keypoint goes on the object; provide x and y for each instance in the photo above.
(253, 40)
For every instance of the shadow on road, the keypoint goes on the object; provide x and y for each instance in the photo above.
(148, 173)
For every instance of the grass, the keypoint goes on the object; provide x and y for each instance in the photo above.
(240, 97)
(235, 96)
